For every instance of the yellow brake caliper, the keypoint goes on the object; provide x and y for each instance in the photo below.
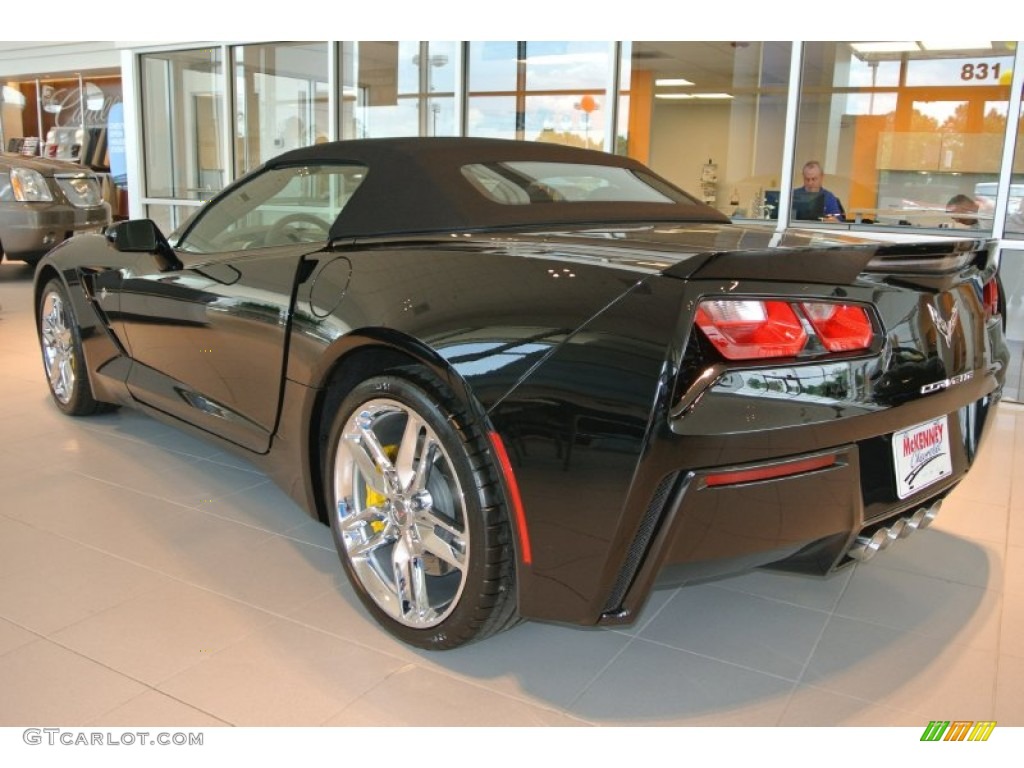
(374, 499)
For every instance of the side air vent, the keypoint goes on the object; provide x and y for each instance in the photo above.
(642, 540)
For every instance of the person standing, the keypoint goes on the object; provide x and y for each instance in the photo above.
(812, 201)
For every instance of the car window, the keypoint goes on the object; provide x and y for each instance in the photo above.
(531, 182)
(280, 206)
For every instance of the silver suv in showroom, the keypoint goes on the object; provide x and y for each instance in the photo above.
(44, 202)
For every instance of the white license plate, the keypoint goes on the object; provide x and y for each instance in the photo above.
(921, 456)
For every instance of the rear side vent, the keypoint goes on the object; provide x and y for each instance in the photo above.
(634, 557)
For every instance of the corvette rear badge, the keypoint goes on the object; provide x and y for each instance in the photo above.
(935, 386)
(946, 328)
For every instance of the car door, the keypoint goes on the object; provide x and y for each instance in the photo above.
(208, 341)
(208, 336)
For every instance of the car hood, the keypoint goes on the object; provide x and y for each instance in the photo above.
(44, 165)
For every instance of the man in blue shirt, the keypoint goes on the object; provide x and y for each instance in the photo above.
(814, 202)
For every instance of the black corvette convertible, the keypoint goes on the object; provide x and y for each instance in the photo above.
(521, 380)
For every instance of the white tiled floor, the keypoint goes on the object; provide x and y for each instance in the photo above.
(146, 578)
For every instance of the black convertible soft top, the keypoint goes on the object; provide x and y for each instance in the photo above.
(417, 185)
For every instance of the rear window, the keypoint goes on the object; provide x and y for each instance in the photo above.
(536, 182)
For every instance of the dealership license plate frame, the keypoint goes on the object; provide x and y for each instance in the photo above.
(913, 471)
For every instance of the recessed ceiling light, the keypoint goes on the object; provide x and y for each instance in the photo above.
(956, 45)
(898, 47)
(666, 81)
(692, 96)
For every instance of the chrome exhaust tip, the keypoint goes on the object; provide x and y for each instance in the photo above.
(867, 546)
(928, 514)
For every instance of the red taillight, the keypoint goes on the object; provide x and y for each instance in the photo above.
(749, 329)
(841, 327)
(990, 295)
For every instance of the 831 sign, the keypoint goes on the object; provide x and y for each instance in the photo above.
(979, 71)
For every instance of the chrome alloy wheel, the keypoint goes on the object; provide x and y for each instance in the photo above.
(58, 345)
(401, 513)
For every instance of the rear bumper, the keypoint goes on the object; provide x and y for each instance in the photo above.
(813, 521)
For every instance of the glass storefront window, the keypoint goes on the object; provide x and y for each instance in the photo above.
(13, 113)
(76, 114)
(624, 126)
(281, 100)
(1015, 203)
(170, 217)
(75, 118)
(710, 117)
(403, 88)
(439, 64)
(899, 134)
(103, 119)
(540, 91)
(183, 109)
(905, 134)
(1011, 268)
(62, 115)
(1011, 271)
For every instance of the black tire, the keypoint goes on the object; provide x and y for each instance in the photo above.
(418, 515)
(63, 361)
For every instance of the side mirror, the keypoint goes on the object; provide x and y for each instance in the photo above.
(134, 236)
(143, 236)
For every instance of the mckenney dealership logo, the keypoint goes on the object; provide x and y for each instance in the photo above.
(958, 730)
(922, 456)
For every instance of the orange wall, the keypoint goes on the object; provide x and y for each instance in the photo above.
(864, 161)
(641, 103)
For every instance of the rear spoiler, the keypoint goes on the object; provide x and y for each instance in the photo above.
(841, 265)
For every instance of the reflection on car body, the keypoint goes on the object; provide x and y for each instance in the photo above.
(508, 408)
